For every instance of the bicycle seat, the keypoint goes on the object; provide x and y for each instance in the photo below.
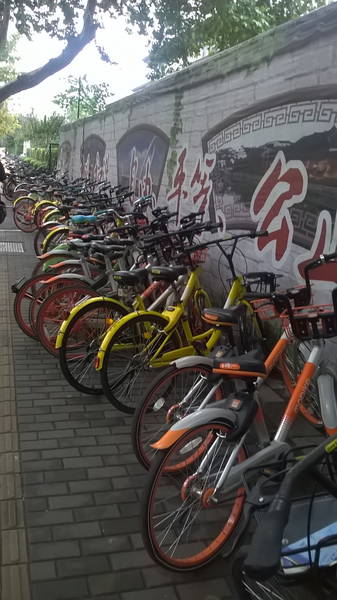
(247, 365)
(131, 278)
(170, 274)
(82, 218)
(107, 249)
(223, 316)
(78, 244)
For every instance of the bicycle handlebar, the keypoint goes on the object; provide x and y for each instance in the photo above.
(222, 240)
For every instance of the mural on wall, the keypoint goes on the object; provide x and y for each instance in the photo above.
(277, 170)
(94, 160)
(64, 157)
(195, 196)
(141, 158)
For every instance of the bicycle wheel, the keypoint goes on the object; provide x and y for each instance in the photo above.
(81, 341)
(291, 367)
(183, 529)
(40, 211)
(56, 283)
(40, 237)
(23, 214)
(23, 299)
(275, 588)
(54, 238)
(55, 309)
(126, 369)
(174, 394)
(8, 188)
(250, 335)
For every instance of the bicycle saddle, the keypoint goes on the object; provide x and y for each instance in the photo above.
(247, 365)
(167, 273)
(223, 316)
(107, 249)
(131, 278)
(78, 244)
(82, 218)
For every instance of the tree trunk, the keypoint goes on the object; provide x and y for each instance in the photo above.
(74, 46)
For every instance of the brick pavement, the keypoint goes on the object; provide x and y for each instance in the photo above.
(70, 484)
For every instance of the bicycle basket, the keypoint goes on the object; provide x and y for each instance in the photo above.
(265, 309)
(261, 282)
(310, 322)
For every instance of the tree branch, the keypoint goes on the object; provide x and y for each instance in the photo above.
(4, 22)
(74, 46)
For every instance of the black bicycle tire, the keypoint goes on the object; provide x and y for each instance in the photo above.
(146, 505)
(62, 354)
(141, 406)
(104, 377)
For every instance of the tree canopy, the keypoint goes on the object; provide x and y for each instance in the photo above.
(81, 98)
(185, 29)
(178, 30)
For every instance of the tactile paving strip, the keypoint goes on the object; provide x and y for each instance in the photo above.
(11, 247)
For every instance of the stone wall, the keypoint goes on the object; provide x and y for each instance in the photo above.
(249, 135)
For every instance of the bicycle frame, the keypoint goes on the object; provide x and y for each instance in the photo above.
(231, 477)
(175, 315)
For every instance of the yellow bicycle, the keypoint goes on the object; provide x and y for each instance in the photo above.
(145, 338)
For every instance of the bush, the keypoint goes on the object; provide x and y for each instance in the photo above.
(39, 157)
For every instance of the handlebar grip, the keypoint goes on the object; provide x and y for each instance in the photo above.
(328, 257)
(263, 558)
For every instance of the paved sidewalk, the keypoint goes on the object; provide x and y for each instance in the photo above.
(69, 482)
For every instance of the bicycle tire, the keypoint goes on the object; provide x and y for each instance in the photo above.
(39, 238)
(46, 290)
(190, 490)
(75, 375)
(22, 302)
(8, 188)
(126, 372)
(40, 211)
(22, 214)
(54, 310)
(250, 335)
(56, 237)
(160, 406)
(275, 588)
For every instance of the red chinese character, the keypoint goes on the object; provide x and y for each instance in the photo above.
(178, 193)
(283, 185)
(201, 184)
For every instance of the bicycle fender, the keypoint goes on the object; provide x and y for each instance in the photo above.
(192, 361)
(115, 328)
(56, 253)
(20, 198)
(76, 309)
(237, 412)
(76, 276)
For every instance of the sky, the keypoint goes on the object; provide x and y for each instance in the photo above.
(127, 50)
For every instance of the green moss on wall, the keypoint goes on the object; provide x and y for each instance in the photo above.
(176, 129)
